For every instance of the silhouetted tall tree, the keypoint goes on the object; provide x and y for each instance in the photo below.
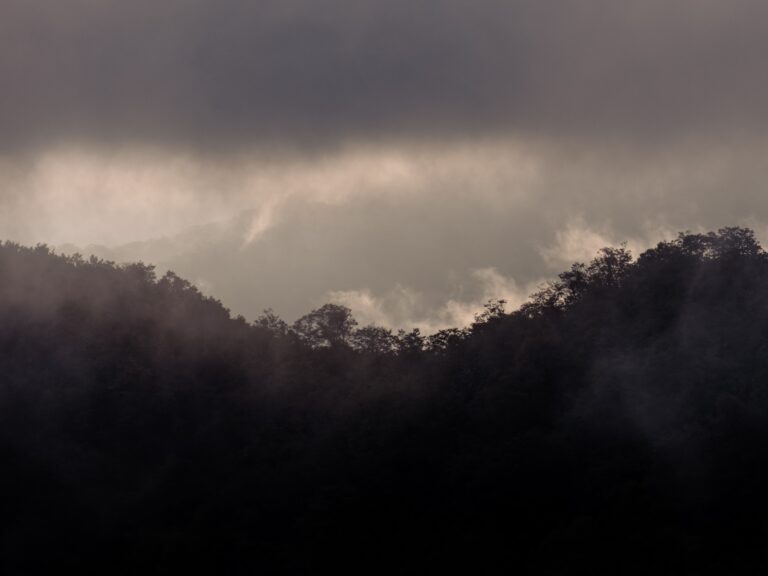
(329, 325)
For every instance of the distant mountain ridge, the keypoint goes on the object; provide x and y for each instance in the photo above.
(308, 251)
(164, 249)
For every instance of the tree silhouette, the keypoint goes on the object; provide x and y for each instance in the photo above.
(617, 422)
(328, 326)
(374, 340)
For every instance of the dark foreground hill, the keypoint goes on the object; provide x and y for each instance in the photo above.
(617, 423)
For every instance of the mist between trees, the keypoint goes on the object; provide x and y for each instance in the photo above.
(614, 423)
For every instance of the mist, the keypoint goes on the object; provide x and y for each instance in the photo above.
(301, 286)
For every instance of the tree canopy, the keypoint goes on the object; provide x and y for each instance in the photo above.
(615, 423)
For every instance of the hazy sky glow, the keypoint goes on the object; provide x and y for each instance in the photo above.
(410, 159)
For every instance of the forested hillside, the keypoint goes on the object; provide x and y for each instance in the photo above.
(616, 423)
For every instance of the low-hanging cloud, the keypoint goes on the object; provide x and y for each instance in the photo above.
(279, 153)
(403, 307)
(260, 231)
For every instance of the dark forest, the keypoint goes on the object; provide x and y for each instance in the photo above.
(615, 423)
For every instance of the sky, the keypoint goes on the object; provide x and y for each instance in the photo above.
(409, 159)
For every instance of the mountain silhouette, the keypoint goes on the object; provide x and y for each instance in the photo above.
(615, 423)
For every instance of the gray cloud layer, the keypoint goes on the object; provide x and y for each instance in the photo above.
(216, 73)
(408, 157)
(427, 235)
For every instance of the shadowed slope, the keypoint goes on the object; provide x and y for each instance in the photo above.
(616, 423)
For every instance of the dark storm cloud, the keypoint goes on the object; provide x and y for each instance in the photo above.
(214, 73)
